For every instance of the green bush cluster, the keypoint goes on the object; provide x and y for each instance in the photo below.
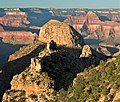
(93, 83)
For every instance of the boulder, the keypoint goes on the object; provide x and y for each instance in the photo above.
(86, 51)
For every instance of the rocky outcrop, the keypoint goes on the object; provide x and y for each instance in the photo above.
(35, 65)
(108, 50)
(61, 33)
(38, 90)
(92, 56)
(35, 87)
(104, 50)
(18, 37)
(86, 51)
(24, 51)
(117, 96)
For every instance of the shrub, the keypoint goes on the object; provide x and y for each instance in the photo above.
(33, 97)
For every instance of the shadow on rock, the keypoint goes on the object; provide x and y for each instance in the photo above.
(63, 65)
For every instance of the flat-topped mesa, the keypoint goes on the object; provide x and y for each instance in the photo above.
(61, 33)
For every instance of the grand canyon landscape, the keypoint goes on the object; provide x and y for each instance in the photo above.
(59, 55)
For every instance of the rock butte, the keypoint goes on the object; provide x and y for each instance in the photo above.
(61, 33)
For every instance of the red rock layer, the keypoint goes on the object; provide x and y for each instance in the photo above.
(16, 21)
(18, 37)
(14, 17)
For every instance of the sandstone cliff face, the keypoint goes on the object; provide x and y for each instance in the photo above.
(91, 20)
(18, 37)
(61, 33)
(115, 16)
(75, 19)
(107, 31)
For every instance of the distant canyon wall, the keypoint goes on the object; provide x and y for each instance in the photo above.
(18, 37)
(92, 26)
(16, 21)
(14, 17)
